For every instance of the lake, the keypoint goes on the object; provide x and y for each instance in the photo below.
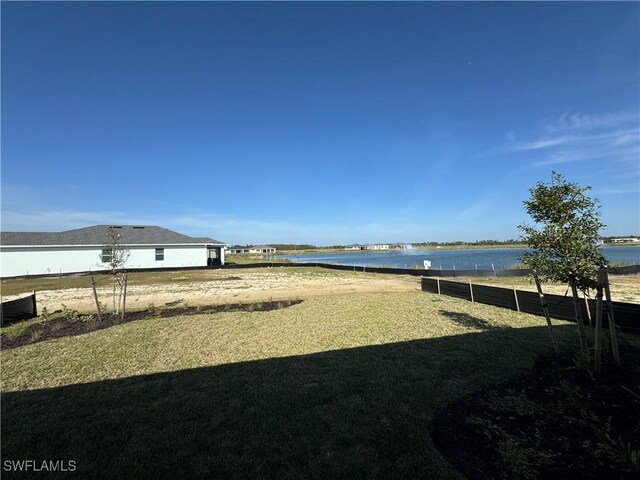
(481, 259)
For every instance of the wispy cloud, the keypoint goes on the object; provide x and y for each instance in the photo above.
(583, 121)
(579, 137)
(227, 228)
(615, 138)
(539, 144)
(596, 152)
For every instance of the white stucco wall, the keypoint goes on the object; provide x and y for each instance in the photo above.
(16, 261)
(43, 260)
(182, 256)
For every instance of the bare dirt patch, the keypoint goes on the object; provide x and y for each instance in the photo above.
(210, 287)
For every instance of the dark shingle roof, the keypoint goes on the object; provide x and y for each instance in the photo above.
(97, 235)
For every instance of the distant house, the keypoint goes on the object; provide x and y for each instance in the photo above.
(83, 249)
(237, 249)
(626, 240)
(378, 246)
(373, 246)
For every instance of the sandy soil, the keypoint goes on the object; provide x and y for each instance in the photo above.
(228, 286)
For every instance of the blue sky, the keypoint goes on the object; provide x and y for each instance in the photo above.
(317, 123)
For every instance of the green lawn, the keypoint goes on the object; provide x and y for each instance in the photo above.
(338, 386)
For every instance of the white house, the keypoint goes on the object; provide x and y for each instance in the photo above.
(378, 246)
(251, 249)
(83, 249)
(372, 246)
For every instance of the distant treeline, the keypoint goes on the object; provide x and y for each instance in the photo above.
(304, 246)
(611, 239)
(477, 242)
(293, 246)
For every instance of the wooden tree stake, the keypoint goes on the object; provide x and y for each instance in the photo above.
(543, 302)
(584, 346)
(612, 322)
(124, 295)
(95, 297)
(114, 281)
(598, 339)
(515, 297)
(586, 309)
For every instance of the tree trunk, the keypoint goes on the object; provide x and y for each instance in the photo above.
(612, 322)
(114, 281)
(95, 297)
(543, 302)
(120, 291)
(584, 346)
(124, 295)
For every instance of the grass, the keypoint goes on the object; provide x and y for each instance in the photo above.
(338, 386)
(72, 323)
(560, 420)
(317, 325)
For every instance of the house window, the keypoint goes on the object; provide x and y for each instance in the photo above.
(107, 255)
(159, 254)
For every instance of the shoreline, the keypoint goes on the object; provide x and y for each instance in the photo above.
(425, 248)
(466, 246)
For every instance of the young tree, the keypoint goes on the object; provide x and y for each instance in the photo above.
(115, 255)
(564, 242)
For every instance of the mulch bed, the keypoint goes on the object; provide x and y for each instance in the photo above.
(74, 324)
(559, 421)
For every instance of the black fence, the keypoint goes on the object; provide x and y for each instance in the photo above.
(512, 272)
(419, 272)
(627, 315)
(628, 270)
(332, 266)
(20, 309)
(494, 296)
(516, 272)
